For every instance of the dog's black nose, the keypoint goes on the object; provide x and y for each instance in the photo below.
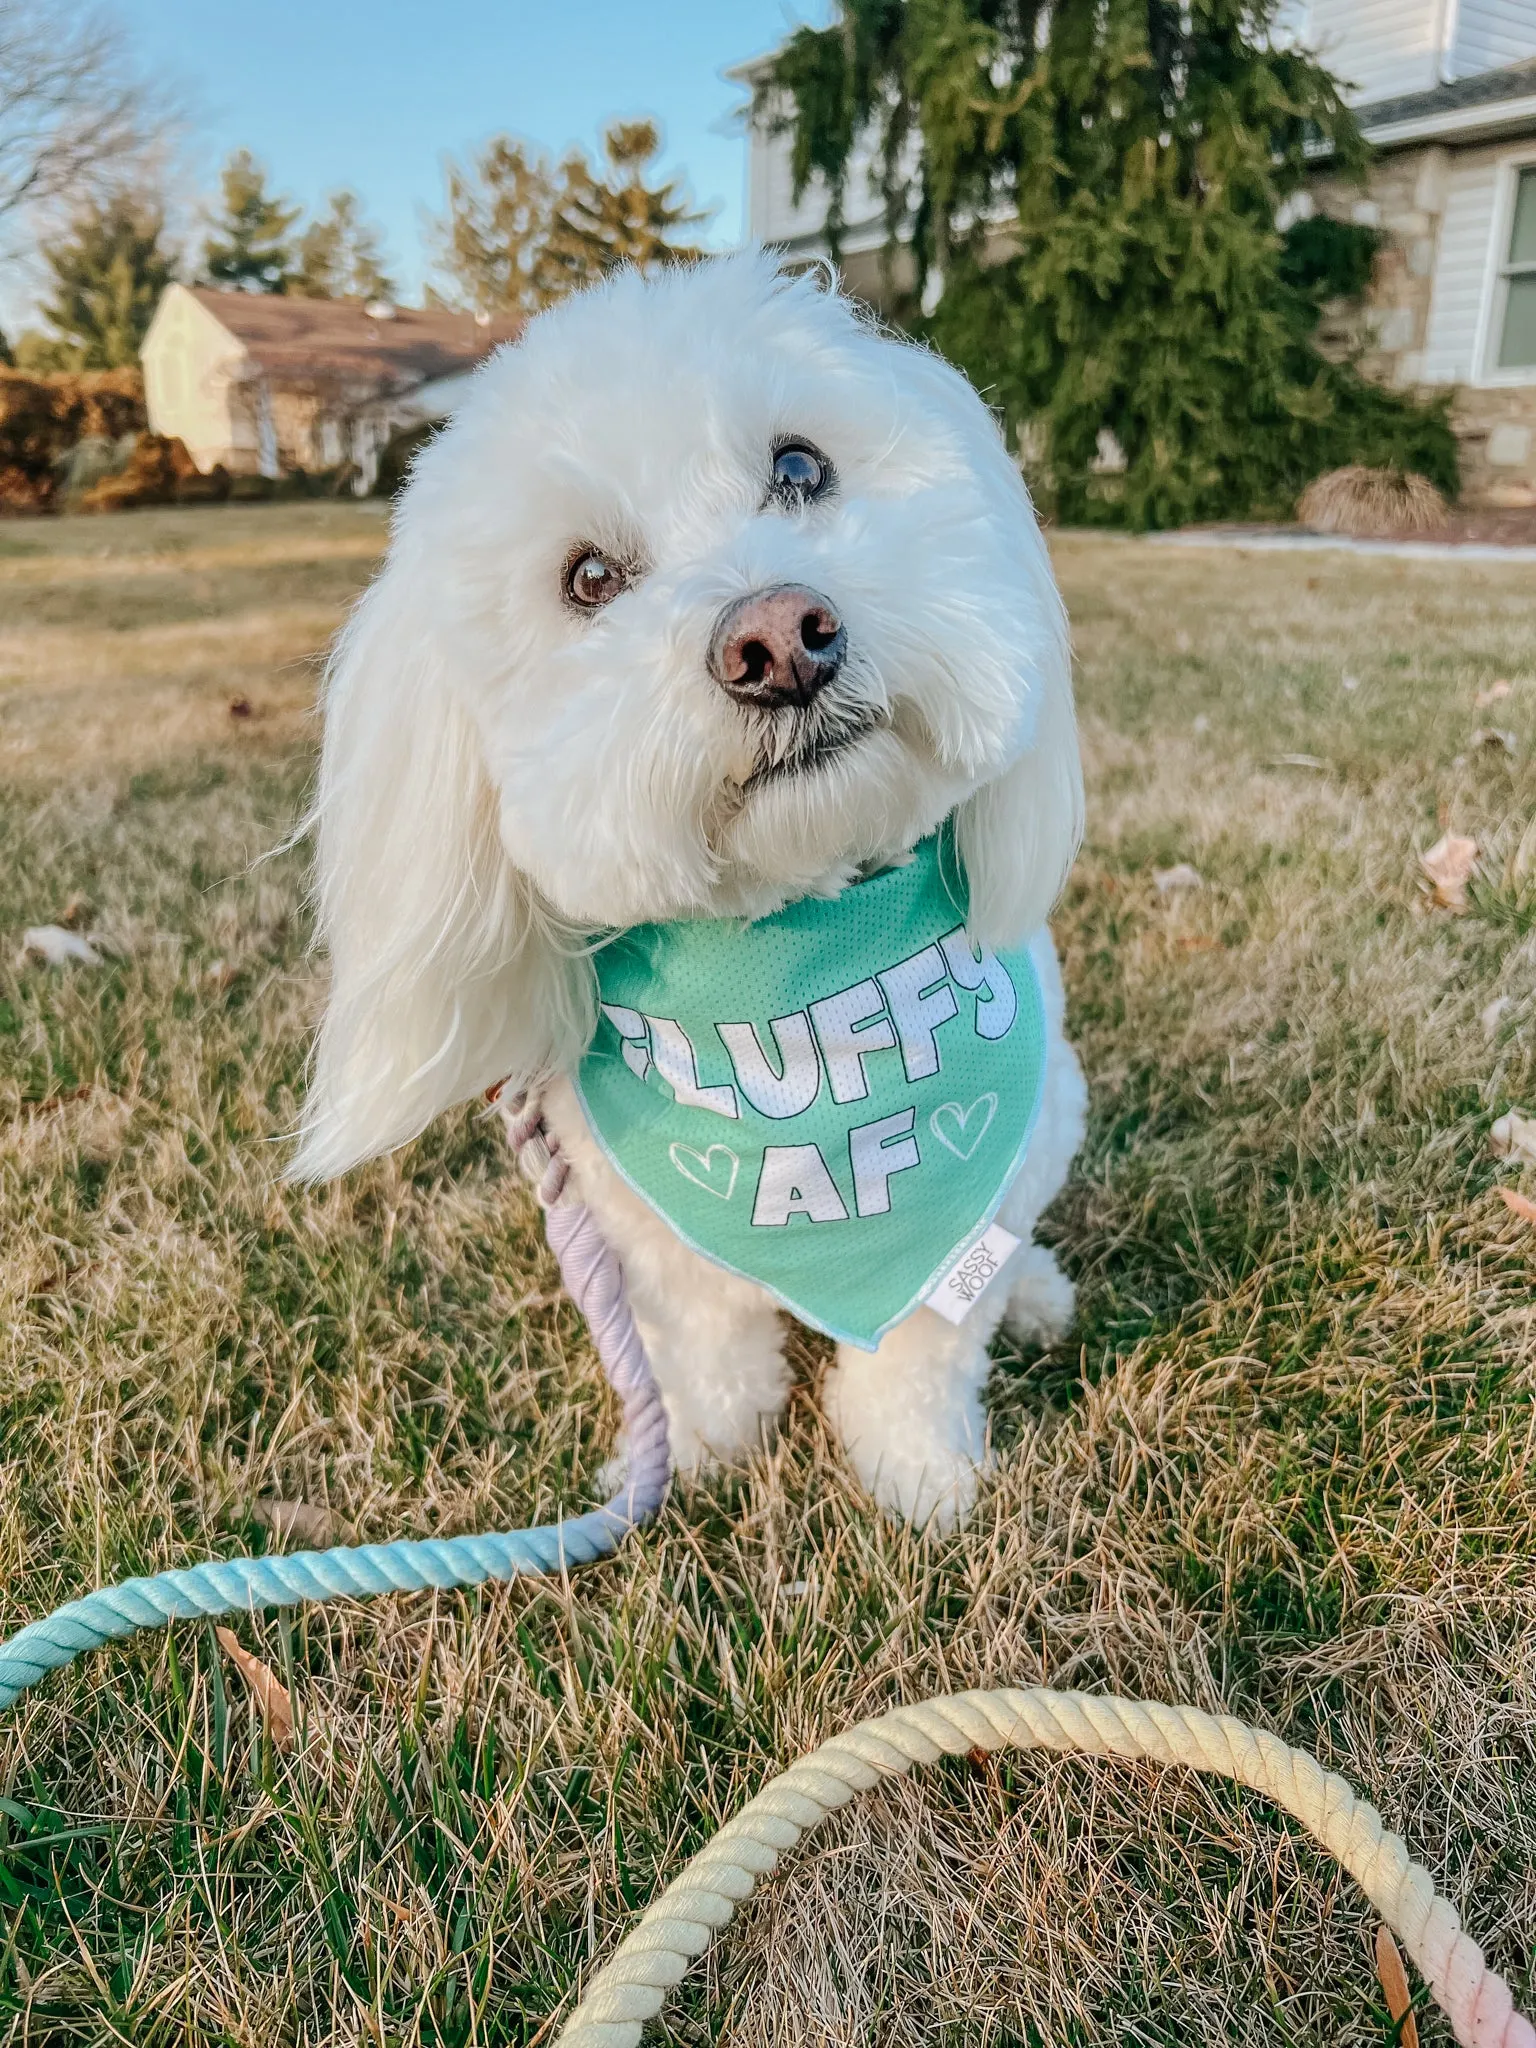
(777, 647)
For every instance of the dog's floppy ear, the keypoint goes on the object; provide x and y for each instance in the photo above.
(1018, 836)
(446, 974)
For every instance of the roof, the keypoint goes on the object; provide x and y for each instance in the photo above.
(303, 338)
(1485, 103)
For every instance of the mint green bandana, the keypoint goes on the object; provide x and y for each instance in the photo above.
(831, 1101)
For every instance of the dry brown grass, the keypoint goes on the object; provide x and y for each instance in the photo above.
(1382, 503)
(1285, 1467)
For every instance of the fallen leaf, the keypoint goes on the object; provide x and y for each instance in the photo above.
(76, 912)
(271, 1697)
(240, 707)
(52, 1102)
(219, 975)
(1297, 761)
(1514, 1137)
(1394, 1984)
(1494, 738)
(1494, 694)
(1518, 1205)
(55, 947)
(1491, 1013)
(1198, 942)
(1181, 877)
(317, 1528)
(1448, 867)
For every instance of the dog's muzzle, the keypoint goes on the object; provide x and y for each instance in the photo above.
(777, 649)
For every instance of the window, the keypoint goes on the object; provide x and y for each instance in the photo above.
(1517, 339)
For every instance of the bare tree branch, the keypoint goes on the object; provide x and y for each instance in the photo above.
(73, 113)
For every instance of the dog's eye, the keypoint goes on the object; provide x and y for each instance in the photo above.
(800, 472)
(592, 580)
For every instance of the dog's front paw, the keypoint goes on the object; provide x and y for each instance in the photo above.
(690, 1456)
(924, 1469)
(613, 1473)
(936, 1492)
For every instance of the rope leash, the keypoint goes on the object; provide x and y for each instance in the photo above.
(629, 1989)
(242, 1585)
(632, 1985)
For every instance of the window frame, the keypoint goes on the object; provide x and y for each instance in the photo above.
(1500, 270)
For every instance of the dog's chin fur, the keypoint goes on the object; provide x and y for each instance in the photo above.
(502, 775)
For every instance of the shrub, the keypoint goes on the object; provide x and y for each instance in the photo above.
(43, 418)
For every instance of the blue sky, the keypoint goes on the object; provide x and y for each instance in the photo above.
(373, 93)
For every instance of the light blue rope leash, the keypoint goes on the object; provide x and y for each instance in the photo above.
(243, 1585)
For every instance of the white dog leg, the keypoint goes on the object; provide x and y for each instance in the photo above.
(716, 1346)
(715, 1341)
(910, 1415)
(1041, 1299)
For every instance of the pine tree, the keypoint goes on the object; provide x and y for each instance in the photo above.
(248, 247)
(107, 271)
(494, 243)
(521, 232)
(339, 255)
(1086, 195)
(614, 215)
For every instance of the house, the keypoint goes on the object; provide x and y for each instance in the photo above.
(263, 383)
(1445, 91)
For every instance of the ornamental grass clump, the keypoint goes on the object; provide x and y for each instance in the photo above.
(1382, 504)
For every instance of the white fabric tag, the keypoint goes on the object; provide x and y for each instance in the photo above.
(955, 1295)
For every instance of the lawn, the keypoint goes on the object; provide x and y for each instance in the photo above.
(1283, 1467)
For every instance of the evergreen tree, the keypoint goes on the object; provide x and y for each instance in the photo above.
(1088, 194)
(107, 271)
(248, 247)
(520, 231)
(7, 353)
(494, 242)
(616, 214)
(339, 255)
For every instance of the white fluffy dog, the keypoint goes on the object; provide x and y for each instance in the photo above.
(528, 740)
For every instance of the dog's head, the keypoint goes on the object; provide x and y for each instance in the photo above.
(711, 596)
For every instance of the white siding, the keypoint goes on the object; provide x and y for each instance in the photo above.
(1490, 34)
(1290, 21)
(1380, 48)
(1461, 274)
(189, 362)
(773, 215)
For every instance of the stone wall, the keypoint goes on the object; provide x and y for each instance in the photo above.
(1405, 198)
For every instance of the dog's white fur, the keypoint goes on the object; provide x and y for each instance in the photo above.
(501, 775)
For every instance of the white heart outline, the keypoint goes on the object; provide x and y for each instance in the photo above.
(702, 1160)
(962, 1118)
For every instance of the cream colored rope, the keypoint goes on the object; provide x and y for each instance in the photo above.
(629, 1989)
